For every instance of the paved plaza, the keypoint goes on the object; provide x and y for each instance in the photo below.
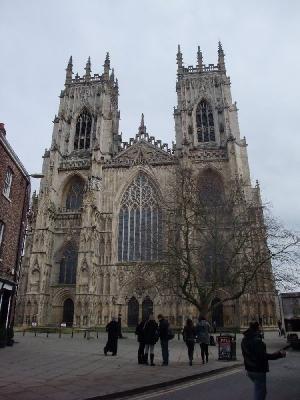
(76, 369)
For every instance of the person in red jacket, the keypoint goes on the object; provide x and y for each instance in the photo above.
(256, 359)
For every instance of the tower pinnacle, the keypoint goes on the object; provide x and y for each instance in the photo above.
(106, 67)
(88, 69)
(199, 59)
(69, 71)
(179, 60)
(142, 127)
(221, 58)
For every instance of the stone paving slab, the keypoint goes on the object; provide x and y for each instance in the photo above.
(76, 369)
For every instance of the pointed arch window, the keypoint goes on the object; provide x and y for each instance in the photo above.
(211, 189)
(205, 122)
(75, 194)
(83, 131)
(140, 223)
(68, 265)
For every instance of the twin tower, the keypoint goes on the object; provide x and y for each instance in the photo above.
(97, 215)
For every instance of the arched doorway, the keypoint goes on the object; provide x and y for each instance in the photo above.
(217, 312)
(147, 307)
(133, 312)
(68, 313)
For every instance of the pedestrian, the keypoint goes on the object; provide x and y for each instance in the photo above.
(163, 329)
(112, 329)
(279, 323)
(256, 359)
(202, 331)
(150, 333)
(139, 331)
(214, 325)
(189, 336)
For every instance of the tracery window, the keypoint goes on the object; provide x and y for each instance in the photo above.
(205, 122)
(68, 265)
(140, 223)
(83, 131)
(75, 194)
(211, 190)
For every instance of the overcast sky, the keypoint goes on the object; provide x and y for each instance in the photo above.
(261, 40)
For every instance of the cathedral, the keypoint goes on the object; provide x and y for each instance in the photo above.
(100, 198)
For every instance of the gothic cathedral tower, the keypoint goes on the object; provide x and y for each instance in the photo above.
(99, 204)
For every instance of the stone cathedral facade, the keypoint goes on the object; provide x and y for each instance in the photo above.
(99, 203)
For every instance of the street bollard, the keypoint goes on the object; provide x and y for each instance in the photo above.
(24, 332)
(97, 335)
(84, 334)
(72, 334)
(35, 332)
(47, 334)
(59, 335)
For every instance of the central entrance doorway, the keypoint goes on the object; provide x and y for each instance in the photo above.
(68, 313)
(217, 312)
(133, 312)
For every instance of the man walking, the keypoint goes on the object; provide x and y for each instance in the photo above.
(112, 330)
(256, 359)
(164, 338)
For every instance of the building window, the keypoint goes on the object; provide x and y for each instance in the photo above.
(7, 183)
(68, 265)
(211, 190)
(83, 131)
(2, 225)
(75, 194)
(140, 223)
(205, 122)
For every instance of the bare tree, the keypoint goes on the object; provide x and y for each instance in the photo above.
(218, 245)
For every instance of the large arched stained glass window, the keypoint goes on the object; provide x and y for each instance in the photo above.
(205, 122)
(140, 223)
(68, 265)
(83, 131)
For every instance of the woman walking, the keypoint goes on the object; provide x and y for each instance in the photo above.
(189, 336)
(150, 338)
(202, 330)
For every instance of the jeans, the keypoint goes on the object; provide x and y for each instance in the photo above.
(165, 350)
(190, 345)
(260, 387)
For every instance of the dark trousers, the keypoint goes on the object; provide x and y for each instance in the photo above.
(260, 384)
(111, 345)
(141, 352)
(165, 350)
(190, 346)
(204, 351)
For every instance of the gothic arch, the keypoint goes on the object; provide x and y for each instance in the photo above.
(140, 221)
(83, 130)
(60, 296)
(66, 260)
(205, 121)
(73, 192)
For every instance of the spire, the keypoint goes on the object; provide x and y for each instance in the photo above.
(112, 75)
(221, 59)
(199, 59)
(69, 71)
(142, 127)
(106, 66)
(88, 69)
(179, 61)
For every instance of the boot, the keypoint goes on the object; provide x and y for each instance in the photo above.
(151, 359)
(146, 358)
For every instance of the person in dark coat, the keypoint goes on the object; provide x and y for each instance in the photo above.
(120, 326)
(189, 336)
(256, 359)
(203, 337)
(164, 338)
(150, 332)
(139, 331)
(112, 329)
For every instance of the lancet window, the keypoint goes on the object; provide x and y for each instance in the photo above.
(68, 265)
(140, 222)
(83, 131)
(75, 194)
(211, 190)
(205, 122)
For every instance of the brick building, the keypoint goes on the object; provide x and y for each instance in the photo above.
(14, 202)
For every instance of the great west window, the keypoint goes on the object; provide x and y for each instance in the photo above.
(140, 223)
